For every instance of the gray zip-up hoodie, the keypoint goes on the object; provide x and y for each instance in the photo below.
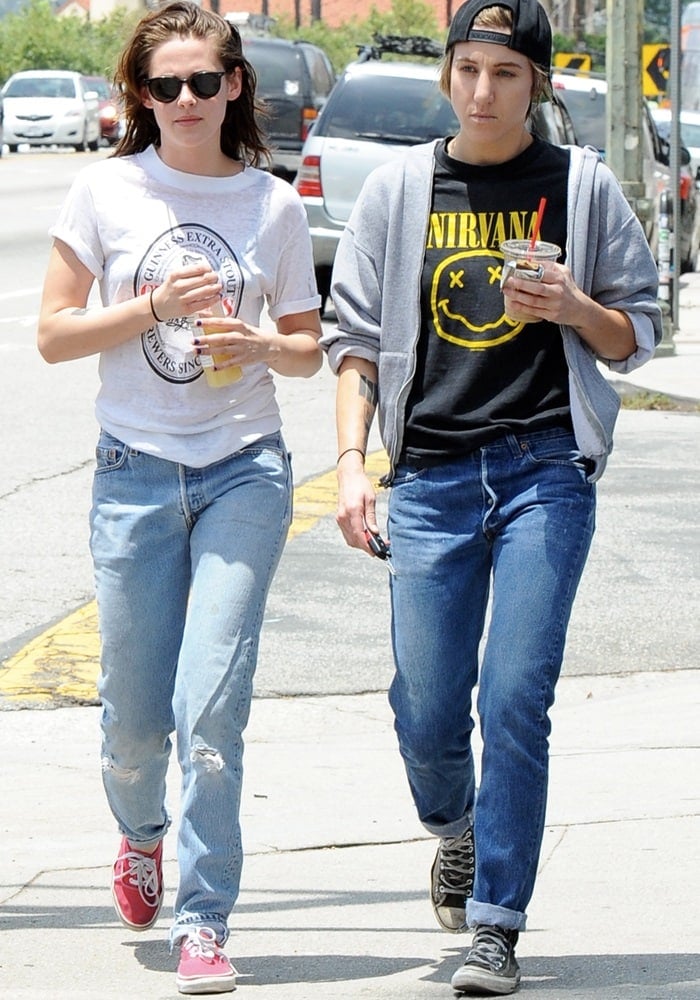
(377, 281)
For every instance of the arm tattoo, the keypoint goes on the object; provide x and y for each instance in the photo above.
(368, 389)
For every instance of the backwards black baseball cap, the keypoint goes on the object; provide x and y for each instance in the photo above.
(531, 34)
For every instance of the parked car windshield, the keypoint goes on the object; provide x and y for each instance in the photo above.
(41, 86)
(374, 108)
(100, 86)
(278, 68)
(690, 134)
(587, 109)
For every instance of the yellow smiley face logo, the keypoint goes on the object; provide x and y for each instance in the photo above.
(461, 281)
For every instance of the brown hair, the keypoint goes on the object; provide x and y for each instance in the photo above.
(241, 136)
(500, 19)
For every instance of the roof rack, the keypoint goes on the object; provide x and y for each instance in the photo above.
(405, 45)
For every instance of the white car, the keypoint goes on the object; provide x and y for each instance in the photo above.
(585, 99)
(47, 107)
(690, 132)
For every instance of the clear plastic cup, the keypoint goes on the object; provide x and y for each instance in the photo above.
(217, 377)
(520, 256)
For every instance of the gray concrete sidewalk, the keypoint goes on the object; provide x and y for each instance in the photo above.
(677, 374)
(334, 898)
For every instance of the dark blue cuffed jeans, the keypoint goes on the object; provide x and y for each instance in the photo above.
(512, 521)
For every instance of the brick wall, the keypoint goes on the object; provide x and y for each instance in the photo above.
(331, 12)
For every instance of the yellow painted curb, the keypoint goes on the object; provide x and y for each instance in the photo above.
(61, 665)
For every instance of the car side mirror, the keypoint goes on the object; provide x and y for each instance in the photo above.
(664, 151)
(685, 156)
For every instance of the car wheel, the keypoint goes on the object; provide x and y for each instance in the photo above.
(94, 145)
(80, 147)
(13, 147)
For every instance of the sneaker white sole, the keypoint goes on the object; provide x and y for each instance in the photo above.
(207, 984)
(470, 978)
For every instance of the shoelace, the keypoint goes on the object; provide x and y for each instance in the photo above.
(457, 865)
(489, 948)
(142, 873)
(201, 943)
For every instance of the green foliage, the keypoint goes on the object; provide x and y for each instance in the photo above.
(34, 38)
(110, 36)
(339, 44)
(406, 17)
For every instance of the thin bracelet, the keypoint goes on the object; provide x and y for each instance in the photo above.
(156, 317)
(361, 452)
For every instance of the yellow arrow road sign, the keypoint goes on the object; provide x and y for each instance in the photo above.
(573, 60)
(655, 69)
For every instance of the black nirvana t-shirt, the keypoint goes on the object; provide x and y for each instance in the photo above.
(479, 374)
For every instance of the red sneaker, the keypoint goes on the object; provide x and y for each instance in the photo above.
(203, 967)
(137, 886)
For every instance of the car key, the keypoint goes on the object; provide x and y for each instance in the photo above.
(380, 548)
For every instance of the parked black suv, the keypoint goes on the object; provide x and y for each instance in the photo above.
(294, 79)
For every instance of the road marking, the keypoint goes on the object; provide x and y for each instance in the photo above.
(62, 664)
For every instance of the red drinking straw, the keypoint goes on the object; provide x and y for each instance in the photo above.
(538, 223)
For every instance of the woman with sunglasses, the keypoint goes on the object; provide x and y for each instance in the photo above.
(188, 241)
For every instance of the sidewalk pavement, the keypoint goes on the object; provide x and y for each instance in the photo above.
(675, 374)
(334, 899)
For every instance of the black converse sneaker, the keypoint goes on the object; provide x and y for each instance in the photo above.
(452, 881)
(490, 968)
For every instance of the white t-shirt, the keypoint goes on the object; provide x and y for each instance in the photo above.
(131, 219)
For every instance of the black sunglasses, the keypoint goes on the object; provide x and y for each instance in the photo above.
(166, 89)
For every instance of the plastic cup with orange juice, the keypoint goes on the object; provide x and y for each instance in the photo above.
(217, 377)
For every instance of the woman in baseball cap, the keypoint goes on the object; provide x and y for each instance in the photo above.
(496, 429)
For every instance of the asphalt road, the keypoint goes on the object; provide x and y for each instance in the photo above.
(326, 627)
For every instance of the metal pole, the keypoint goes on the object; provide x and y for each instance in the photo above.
(676, 105)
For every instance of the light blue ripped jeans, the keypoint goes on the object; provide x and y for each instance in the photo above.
(184, 559)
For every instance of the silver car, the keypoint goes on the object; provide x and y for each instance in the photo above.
(46, 107)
